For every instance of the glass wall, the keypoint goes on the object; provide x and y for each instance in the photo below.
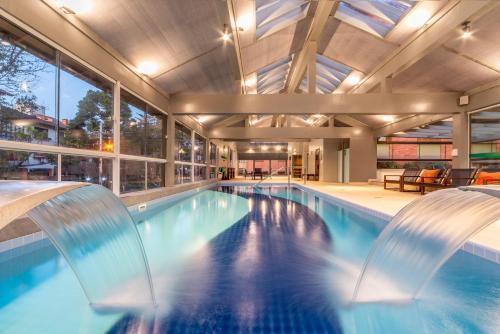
(278, 167)
(399, 152)
(28, 75)
(85, 108)
(132, 176)
(49, 98)
(263, 165)
(200, 173)
(19, 165)
(183, 143)
(87, 169)
(183, 173)
(485, 139)
(156, 174)
(213, 154)
(199, 149)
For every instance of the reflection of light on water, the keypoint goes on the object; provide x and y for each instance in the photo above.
(277, 211)
(222, 203)
(250, 204)
(194, 204)
(301, 227)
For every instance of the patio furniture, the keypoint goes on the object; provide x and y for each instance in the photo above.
(487, 176)
(258, 173)
(455, 177)
(426, 177)
(398, 179)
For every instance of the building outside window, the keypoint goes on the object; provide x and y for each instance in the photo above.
(20, 165)
(183, 173)
(132, 176)
(485, 139)
(199, 149)
(213, 154)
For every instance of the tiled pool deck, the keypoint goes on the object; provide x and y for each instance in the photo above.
(386, 203)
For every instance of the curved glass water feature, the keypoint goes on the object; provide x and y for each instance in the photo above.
(419, 240)
(93, 230)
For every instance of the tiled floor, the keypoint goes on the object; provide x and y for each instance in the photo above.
(386, 201)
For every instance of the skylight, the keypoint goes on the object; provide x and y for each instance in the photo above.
(329, 75)
(377, 16)
(271, 78)
(274, 15)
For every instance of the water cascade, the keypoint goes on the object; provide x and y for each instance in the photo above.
(421, 238)
(94, 232)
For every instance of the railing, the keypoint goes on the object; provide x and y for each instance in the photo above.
(270, 175)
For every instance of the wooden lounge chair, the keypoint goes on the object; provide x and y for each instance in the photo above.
(420, 180)
(258, 172)
(455, 177)
(398, 179)
(487, 176)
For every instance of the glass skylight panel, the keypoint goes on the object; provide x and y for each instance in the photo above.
(272, 16)
(329, 75)
(375, 16)
(271, 78)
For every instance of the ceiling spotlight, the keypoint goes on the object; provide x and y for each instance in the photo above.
(251, 82)
(387, 118)
(72, 7)
(264, 148)
(418, 18)
(466, 32)
(277, 148)
(244, 22)
(226, 36)
(353, 79)
(147, 67)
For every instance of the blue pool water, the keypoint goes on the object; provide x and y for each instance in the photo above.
(240, 260)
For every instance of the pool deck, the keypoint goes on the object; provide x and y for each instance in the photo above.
(375, 197)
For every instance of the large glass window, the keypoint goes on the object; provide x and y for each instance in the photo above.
(132, 175)
(485, 139)
(85, 109)
(200, 173)
(182, 173)
(19, 165)
(213, 172)
(27, 88)
(183, 143)
(156, 174)
(263, 165)
(278, 167)
(132, 124)
(155, 133)
(199, 149)
(213, 154)
(87, 169)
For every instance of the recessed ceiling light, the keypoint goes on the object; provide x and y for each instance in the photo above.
(466, 32)
(277, 148)
(353, 79)
(418, 18)
(226, 36)
(264, 148)
(74, 6)
(244, 22)
(147, 67)
(250, 82)
(387, 118)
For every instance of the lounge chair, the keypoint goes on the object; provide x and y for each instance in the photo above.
(398, 179)
(487, 176)
(455, 177)
(438, 177)
(258, 172)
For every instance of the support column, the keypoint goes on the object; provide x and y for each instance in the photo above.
(311, 69)
(170, 168)
(386, 85)
(460, 138)
(362, 158)
(331, 121)
(330, 161)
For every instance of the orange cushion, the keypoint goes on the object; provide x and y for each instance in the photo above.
(428, 175)
(487, 177)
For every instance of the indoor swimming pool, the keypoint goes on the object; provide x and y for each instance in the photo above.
(241, 259)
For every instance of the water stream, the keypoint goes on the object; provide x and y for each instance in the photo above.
(94, 232)
(420, 239)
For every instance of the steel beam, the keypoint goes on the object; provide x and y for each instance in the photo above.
(240, 133)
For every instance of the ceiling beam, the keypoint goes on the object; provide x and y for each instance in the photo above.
(426, 40)
(236, 41)
(229, 121)
(301, 59)
(240, 133)
(409, 123)
(299, 104)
